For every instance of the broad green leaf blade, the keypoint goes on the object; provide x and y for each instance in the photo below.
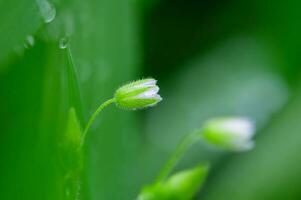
(105, 52)
(35, 102)
(71, 156)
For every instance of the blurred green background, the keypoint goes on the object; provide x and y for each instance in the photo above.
(211, 58)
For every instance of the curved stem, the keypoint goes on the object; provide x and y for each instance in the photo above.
(182, 147)
(92, 118)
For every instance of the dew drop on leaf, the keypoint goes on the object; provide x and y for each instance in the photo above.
(63, 43)
(47, 10)
(29, 41)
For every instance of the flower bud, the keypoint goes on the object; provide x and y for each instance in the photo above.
(185, 184)
(181, 186)
(138, 94)
(230, 133)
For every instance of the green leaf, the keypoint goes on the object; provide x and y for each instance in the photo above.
(73, 131)
(35, 117)
(71, 156)
(102, 36)
(105, 52)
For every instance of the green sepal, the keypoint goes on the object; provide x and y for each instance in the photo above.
(133, 104)
(217, 136)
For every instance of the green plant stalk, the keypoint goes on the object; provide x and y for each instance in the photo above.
(182, 147)
(92, 118)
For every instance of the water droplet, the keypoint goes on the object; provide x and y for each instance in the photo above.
(29, 41)
(47, 10)
(63, 43)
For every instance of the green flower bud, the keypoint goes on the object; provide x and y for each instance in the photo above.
(153, 192)
(181, 186)
(138, 94)
(230, 133)
(185, 184)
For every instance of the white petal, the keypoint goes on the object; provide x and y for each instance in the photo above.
(149, 82)
(150, 93)
(158, 97)
(241, 127)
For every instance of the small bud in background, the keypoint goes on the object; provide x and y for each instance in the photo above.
(153, 192)
(234, 133)
(183, 185)
(137, 95)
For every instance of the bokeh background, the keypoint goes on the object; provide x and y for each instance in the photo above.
(211, 58)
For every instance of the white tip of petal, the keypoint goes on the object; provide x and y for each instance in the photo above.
(149, 82)
(158, 98)
(150, 93)
(234, 133)
(242, 127)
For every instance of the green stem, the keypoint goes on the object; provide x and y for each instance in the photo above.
(92, 118)
(176, 156)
